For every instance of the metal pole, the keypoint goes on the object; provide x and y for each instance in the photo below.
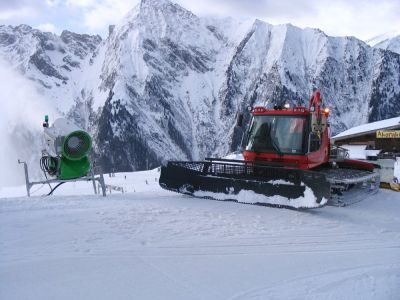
(102, 184)
(27, 183)
(93, 181)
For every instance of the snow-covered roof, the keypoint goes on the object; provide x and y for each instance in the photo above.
(392, 123)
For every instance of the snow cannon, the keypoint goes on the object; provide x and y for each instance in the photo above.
(66, 150)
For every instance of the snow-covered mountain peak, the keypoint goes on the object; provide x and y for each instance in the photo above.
(157, 11)
(382, 37)
(23, 28)
(387, 41)
(392, 44)
(156, 19)
(164, 5)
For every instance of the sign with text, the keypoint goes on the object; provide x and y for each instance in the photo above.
(388, 134)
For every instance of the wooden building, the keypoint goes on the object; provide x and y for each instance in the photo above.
(382, 135)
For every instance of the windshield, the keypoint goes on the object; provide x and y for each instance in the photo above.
(281, 134)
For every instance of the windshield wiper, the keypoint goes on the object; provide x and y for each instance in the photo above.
(274, 144)
(276, 147)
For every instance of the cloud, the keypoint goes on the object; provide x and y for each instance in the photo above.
(54, 3)
(249, 8)
(48, 27)
(24, 12)
(361, 18)
(106, 12)
(81, 3)
(7, 5)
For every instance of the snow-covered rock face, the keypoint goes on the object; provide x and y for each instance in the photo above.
(392, 44)
(388, 41)
(56, 63)
(158, 65)
(167, 84)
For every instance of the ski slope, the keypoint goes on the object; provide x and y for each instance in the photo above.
(153, 244)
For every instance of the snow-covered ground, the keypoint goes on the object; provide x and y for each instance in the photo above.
(153, 244)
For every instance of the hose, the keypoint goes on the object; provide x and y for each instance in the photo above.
(48, 164)
(53, 189)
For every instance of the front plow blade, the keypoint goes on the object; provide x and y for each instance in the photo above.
(247, 182)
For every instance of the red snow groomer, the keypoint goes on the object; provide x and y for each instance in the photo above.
(288, 162)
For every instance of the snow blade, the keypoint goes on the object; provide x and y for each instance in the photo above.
(247, 182)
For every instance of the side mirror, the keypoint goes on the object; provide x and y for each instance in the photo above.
(244, 141)
(314, 142)
(239, 121)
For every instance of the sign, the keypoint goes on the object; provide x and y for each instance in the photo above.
(388, 134)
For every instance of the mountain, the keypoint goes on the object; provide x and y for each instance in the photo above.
(387, 41)
(57, 64)
(392, 44)
(166, 84)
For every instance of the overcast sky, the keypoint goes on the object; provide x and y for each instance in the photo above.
(361, 18)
